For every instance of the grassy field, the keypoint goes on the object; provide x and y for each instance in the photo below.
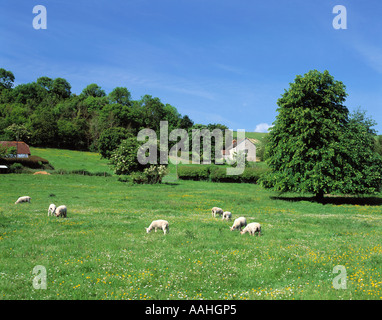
(101, 250)
(73, 160)
(252, 135)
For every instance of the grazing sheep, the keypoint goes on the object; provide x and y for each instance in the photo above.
(252, 228)
(216, 210)
(52, 209)
(227, 215)
(239, 223)
(23, 199)
(61, 211)
(162, 224)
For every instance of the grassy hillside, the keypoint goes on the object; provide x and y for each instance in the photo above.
(253, 135)
(73, 160)
(101, 251)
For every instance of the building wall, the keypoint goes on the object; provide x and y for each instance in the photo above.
(242, 146)
(249, 147)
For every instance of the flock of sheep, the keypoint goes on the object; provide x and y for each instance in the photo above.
(52, 210)
(251, 228)
(239, 223)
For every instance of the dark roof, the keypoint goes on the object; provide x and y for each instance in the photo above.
(21, 147)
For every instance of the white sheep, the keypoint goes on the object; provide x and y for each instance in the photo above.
(216, 210)
(162, 224)
(52, 209)
(239, 223)
(227, 215)
(23, 199)
(61, 211)
(252, 228)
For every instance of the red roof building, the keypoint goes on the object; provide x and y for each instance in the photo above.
(22, 149)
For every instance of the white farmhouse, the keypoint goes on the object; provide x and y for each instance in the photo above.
(245, 145)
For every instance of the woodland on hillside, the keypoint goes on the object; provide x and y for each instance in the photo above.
(46, 113)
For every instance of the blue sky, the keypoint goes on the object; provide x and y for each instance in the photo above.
(217, 61)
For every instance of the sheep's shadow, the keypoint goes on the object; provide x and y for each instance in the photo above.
(335, 200)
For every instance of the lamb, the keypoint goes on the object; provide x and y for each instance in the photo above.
(162, 224)
(61, 211)
(52, 209)
(227, 215)
(252, 228)
(23, 199)
(216, 210)
(239, 223)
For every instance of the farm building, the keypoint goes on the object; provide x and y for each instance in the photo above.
(22, 149)
(245, 145)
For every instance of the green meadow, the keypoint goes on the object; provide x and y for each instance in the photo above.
(73, 160)
(102, 251)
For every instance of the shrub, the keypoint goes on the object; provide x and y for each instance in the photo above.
(83, 172)
(124, 179)
(33, 162)
(61, 171)
(124, 158)
(155, 174)
(138, 178)
(152, 175)
(194, 172)
(252, 175)
(101, 174)
(16, 168)
(219, 174)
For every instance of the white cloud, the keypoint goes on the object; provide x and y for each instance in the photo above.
(262, 127)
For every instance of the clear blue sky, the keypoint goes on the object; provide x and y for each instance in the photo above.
(217, 61)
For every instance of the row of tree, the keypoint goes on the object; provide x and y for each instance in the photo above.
(46, 113)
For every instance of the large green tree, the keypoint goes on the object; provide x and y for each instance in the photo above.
(312, 147)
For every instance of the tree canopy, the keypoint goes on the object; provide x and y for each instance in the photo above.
(315, 146)
(6, 79)
(54, 116)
